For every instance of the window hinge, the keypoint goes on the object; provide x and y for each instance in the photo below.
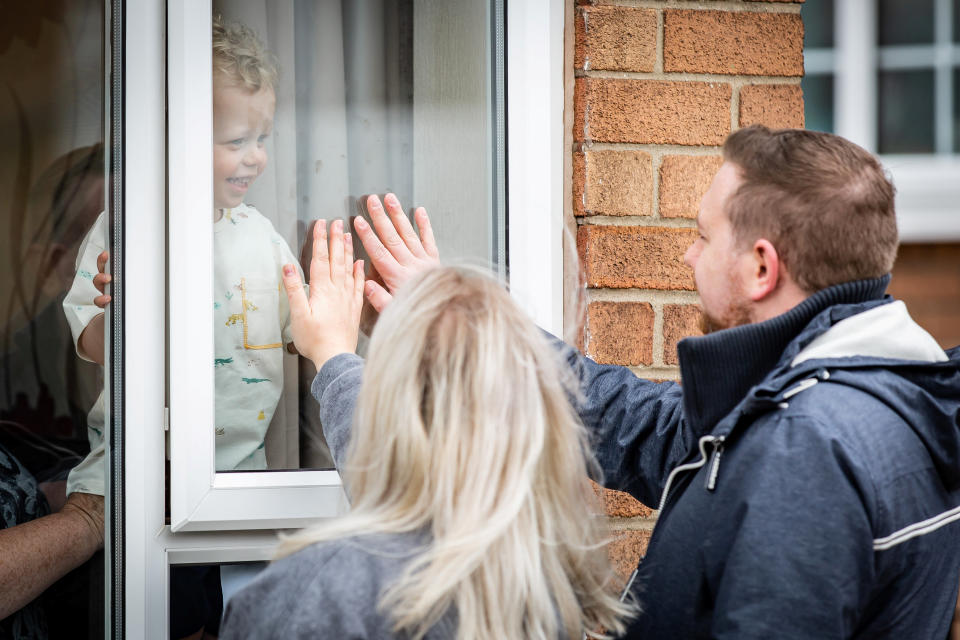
(166, 418)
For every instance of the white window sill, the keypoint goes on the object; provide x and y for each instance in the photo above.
(928, 197)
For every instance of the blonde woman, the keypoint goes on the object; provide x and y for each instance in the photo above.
(466, 467)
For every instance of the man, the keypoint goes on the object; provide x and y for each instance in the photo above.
(808, 472)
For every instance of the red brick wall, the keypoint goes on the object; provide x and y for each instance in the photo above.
(927, 278)
(658, 86)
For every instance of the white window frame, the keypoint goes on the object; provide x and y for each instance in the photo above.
(233, 517)
(927, 185)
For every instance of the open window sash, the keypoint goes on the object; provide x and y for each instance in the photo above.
(202, 499)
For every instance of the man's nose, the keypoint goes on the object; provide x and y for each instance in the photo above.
(688, 257)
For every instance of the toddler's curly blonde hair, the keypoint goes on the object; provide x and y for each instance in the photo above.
(240, 58)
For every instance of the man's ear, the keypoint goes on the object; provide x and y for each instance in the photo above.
(766, 270)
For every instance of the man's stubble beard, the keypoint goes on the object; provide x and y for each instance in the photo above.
(737, 314)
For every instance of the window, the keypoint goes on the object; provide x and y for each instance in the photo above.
(884, 74)
(462, 165)
(402, 97)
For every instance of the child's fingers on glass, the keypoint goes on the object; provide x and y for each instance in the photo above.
(102, 260)
(101, 280)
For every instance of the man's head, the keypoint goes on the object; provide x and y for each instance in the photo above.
(244, 80)
(789, 212)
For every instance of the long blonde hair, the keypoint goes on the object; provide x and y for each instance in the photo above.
(464, 429)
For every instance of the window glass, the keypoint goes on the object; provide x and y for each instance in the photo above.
(818, 102)
(52, 178)
(956, 110)
(817, 23)
(956, 21)
(906, 112)
(370, 97)
(198, 595)
(905, 22)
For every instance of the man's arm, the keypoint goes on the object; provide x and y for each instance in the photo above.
(636, 426)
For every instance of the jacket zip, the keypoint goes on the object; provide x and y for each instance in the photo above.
(717, 441)
(715, 464)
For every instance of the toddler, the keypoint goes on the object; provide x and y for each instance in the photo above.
(251, 317)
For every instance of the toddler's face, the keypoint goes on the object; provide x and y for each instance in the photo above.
(242, 120)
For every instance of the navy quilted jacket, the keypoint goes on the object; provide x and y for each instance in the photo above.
(807, 472)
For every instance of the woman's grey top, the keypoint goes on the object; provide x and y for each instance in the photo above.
(330, 589)
(327, 590)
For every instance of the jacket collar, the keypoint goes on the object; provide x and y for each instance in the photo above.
(720, 368)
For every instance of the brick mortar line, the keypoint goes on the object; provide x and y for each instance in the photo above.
(658, 338)
(658, 61)
(638, 523)
(735, 106)
(656, 160)
(657, 373)
(665, 149)
(684, 76)
(734, 6)
(585, 16)
(653, 296)
(637, 221)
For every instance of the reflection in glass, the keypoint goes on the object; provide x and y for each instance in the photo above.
(372, 96)
(818, 102)
(905, 100)
(817, 23)
(905, 22)
(52, 178)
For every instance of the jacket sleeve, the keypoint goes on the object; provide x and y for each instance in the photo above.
(793, 552)
(636, 426)
(335, 388)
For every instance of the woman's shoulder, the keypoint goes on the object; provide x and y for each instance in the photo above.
(325, 587)
(370, 552)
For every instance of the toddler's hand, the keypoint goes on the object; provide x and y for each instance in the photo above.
(327, 323)
(101, 280)
(395, 250)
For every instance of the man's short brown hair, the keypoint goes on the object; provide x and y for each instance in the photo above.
(825, 204)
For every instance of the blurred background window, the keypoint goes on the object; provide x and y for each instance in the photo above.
(886, 74)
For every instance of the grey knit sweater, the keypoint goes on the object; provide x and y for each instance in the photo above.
(329, 589)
